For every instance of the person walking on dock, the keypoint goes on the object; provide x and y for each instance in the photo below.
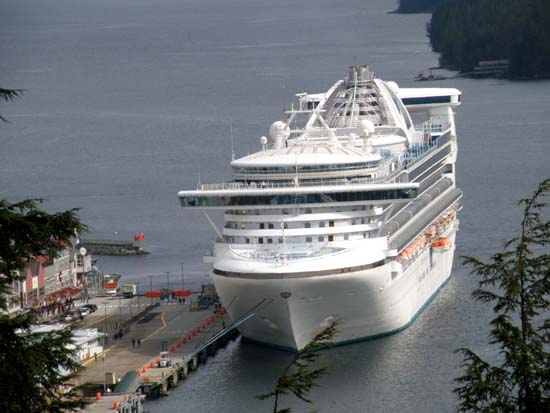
(133, 342)
(139, 342)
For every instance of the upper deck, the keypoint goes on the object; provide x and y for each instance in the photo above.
(350, 144)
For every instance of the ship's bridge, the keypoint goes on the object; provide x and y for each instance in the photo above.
(241, 195)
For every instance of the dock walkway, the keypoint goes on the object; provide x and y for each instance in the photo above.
(160, 329)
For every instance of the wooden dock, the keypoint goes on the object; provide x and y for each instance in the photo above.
(173, 342)
(164, 372)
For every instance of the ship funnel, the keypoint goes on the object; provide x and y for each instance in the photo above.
(359, 74)
(364, 70)
(352, 74)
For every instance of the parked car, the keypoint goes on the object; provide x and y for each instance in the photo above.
(84, 311)
(70, 316)
(59, 318)
(91, 307)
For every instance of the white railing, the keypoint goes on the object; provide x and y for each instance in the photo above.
(278, 255)
(383, 174)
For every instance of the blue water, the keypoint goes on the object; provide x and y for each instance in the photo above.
(128, 101)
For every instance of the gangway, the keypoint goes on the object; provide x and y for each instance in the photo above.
(245, 317)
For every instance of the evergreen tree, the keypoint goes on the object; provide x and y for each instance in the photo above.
(417, 6)
(299, 377)
(33, 366)
(517, 283)
(8, 95)
(466, 32)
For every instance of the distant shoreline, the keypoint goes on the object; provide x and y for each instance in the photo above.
(487, 38)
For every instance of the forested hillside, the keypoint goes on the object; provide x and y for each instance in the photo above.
(467, 31)
(417, 6)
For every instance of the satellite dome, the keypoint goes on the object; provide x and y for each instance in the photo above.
(263, 140)
(365, 127)
(279, 130)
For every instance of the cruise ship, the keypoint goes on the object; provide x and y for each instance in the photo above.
(347, 213)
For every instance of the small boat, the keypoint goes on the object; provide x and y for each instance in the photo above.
(428, 76)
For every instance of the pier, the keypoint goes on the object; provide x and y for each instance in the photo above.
(160, 346)
(112, 247)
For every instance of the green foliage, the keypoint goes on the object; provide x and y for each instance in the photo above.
(517, 283)
(8, 95)
(468, 31)
(299, 377)
(28, 231)
(417, 6)
(33, 366)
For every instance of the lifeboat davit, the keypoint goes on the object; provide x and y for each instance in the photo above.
(431, 231)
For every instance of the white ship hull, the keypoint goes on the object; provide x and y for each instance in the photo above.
(367, 304)
(348, 214)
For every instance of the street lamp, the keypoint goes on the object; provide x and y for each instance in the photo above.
(182, 280)
(168, 280)
(151, 288)
(104, 378)
(83, 252)
(138, 297)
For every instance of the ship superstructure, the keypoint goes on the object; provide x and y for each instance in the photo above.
(348, 213)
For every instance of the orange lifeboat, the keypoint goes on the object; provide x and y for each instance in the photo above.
(441, 244)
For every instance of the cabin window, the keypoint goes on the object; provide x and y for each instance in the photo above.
(346, 237)
(322, 224)
(270, 226)
(321, 239)
(308, 225)
(308, 239)
(270, 241)
(353, 221)
(331, 238)
(285, 225)
(262, 225)
(280, 240)
(331, 223)
(260, 240)
(308, 210)
(247, 240)
(243, 226)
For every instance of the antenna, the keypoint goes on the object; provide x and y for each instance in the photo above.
(199, 176)
(232, 141)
